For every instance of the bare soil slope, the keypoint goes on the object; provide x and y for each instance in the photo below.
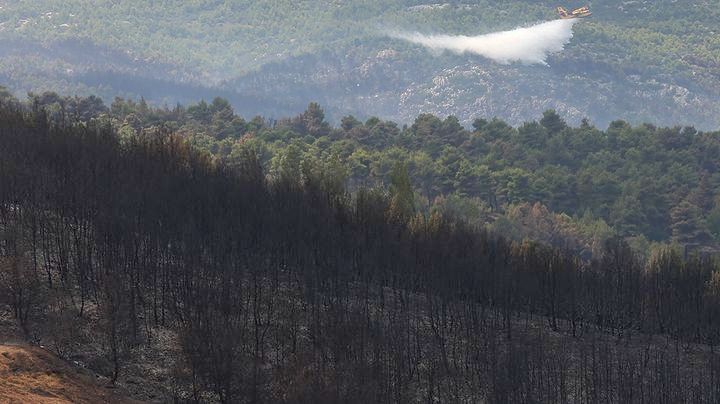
(31, 374)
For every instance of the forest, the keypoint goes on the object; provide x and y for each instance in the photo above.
(290, 261)
(570, 187)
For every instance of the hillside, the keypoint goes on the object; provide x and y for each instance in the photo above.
(546, 180)
(336, 201)
(210, 280)
(639, 61)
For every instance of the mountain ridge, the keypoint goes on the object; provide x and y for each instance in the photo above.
(645, 61)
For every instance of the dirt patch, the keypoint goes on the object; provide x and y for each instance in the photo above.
(31, 374)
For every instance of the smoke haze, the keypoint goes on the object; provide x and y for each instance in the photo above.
(530, 45)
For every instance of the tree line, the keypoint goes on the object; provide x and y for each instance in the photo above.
(652, 186)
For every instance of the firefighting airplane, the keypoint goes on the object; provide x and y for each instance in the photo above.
(582, 12)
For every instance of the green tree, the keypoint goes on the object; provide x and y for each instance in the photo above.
(627, 216)
(422, 169)
(532, 136)
(314, 120)
(402, 197)
(713, 220)
(688, 228)
(474, 181)
(200, 112)
(703, 195)
(552, 122)
(479, 124)
(497, 130)
(349, 122)
(287, 165)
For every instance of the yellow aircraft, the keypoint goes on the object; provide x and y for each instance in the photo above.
(582, 12)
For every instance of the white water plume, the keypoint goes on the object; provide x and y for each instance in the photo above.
(530, 45)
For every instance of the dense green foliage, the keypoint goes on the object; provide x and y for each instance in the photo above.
(640, 61)
(649, 184)
(286, 288)
(547, 181)
(225, 39)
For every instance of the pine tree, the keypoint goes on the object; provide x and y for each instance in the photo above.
(552, 122)
(703, 195)
(688, 228)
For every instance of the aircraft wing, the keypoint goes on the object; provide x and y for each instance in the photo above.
(582, 10)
